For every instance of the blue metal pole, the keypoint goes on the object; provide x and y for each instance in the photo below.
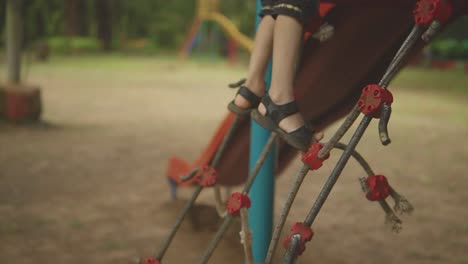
(262, 192)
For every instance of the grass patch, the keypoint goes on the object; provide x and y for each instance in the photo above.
(32, 224)
(112, 245)
(453, 81)
(122, 63)
(446, 82)
(42, 222)
(76, 224)
(9, 228)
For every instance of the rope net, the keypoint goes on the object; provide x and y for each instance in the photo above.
(374, 103)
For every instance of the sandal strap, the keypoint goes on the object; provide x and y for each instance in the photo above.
(237, 84)
(279, 112)
(253, 99)
(302, 131)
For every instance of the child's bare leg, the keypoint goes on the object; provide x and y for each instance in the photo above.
(259, 60)
(287, 40)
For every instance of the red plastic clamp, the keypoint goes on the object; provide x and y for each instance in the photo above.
(311, 157)
(372, 98)
(304, 231)
(379, 188)
(206, 176)
(236, 202)
(150, 261)
(427, 11)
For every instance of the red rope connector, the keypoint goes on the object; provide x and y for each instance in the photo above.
(150, 261)
(427, 11)
(236, 202)
(311, 158)
(378, 188)
(206, 176)
(304, 231)
(372, 98)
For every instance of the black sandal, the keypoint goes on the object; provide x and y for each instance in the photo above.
(300, 138)
(252, 98)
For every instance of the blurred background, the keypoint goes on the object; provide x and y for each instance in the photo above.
(103, 92)
(138, 27)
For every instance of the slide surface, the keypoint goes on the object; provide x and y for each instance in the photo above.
(329, 81)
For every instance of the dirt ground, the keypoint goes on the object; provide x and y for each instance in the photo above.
(88, 185)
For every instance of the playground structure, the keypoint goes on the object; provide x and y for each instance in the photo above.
(208, 10)
(374, 101)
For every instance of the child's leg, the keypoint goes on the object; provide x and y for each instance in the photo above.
(259, 60)
(287, 40)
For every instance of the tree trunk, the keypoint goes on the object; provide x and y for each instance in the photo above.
(75, 18)
(14, 30)
(104, 10)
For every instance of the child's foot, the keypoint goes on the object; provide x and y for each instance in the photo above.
(247, 98)
(284, 118)
(289, 123)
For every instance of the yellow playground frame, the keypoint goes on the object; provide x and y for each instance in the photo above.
(208, 10)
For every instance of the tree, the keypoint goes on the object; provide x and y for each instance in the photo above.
(13, 39)
(104, 21)
(75, 18)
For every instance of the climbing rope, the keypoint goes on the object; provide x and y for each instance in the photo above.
(246, 236)
(370, 108)
(238, 201)
(308, 166)
(375, 102)
(205, 176)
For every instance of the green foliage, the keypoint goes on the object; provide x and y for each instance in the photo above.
(43, 18)
(453, 81)
(242, 13)
(165, 22)
(447, 48)
(456, 30)
(68, 45)
(2, 22)
(450, 49)
(452, 43)
(464, 44)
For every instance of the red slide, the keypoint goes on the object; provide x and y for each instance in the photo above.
(331, 76)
